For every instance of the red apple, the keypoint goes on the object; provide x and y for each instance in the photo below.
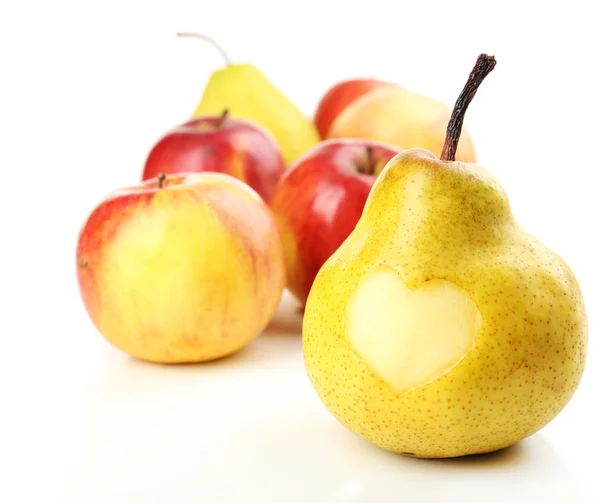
(338, 97)
(222, 144)
(319, 200)
(181, 268)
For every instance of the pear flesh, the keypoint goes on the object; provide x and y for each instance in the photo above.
(410, 338)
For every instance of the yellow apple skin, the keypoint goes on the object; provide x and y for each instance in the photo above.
(427, 220)
(189, 272)
(402, 118)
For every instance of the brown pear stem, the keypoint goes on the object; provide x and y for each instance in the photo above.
(223, 117)
(208, 39)
(484, 65)
(160, 180)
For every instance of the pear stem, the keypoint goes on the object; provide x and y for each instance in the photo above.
(160, 180)
(484, 65)
(208, 39)
(223, 117)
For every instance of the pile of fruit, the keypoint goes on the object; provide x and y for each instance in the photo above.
(434, 325)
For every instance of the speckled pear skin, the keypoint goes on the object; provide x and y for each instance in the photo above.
(430, 219)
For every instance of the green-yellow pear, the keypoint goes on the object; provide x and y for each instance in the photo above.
(441, 327)
(247, 93)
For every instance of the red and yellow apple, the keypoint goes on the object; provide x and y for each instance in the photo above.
(222, 144)
(181, 268)
(340, 96)
(319, 200)
(402, 118)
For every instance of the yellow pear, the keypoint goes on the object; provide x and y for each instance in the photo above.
(247, 93)
(441, 327)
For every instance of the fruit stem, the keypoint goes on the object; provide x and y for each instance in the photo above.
(160, 180)
(370, 161)
(484, 65)
(368, 167)
(223, 117)
(209, 40)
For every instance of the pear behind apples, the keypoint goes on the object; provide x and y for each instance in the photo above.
(441, 327)
(246, 92)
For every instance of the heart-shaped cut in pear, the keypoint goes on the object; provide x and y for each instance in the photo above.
(410, 337)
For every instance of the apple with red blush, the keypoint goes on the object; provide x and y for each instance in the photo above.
(339, 96)
(221, 144)
(319, 200)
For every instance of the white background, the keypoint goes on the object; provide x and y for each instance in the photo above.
(85, 90)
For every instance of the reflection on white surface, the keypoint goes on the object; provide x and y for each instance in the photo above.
(250, 428)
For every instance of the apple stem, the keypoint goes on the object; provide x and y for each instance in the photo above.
(370, 161)
(367, 167)
(160, 180)
(209, 40)
(484, 65)
(223, 117)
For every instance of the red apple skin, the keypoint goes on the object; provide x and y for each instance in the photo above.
(339, 96)
(318, 202)
(221, 144)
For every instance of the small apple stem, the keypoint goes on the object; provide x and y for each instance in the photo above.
(160, 180)
(368, 166)
(223, 117)
(370, 161)
(484, 65)
(209, 40)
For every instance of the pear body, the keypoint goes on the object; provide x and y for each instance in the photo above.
(247, 93)
(441, 327)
